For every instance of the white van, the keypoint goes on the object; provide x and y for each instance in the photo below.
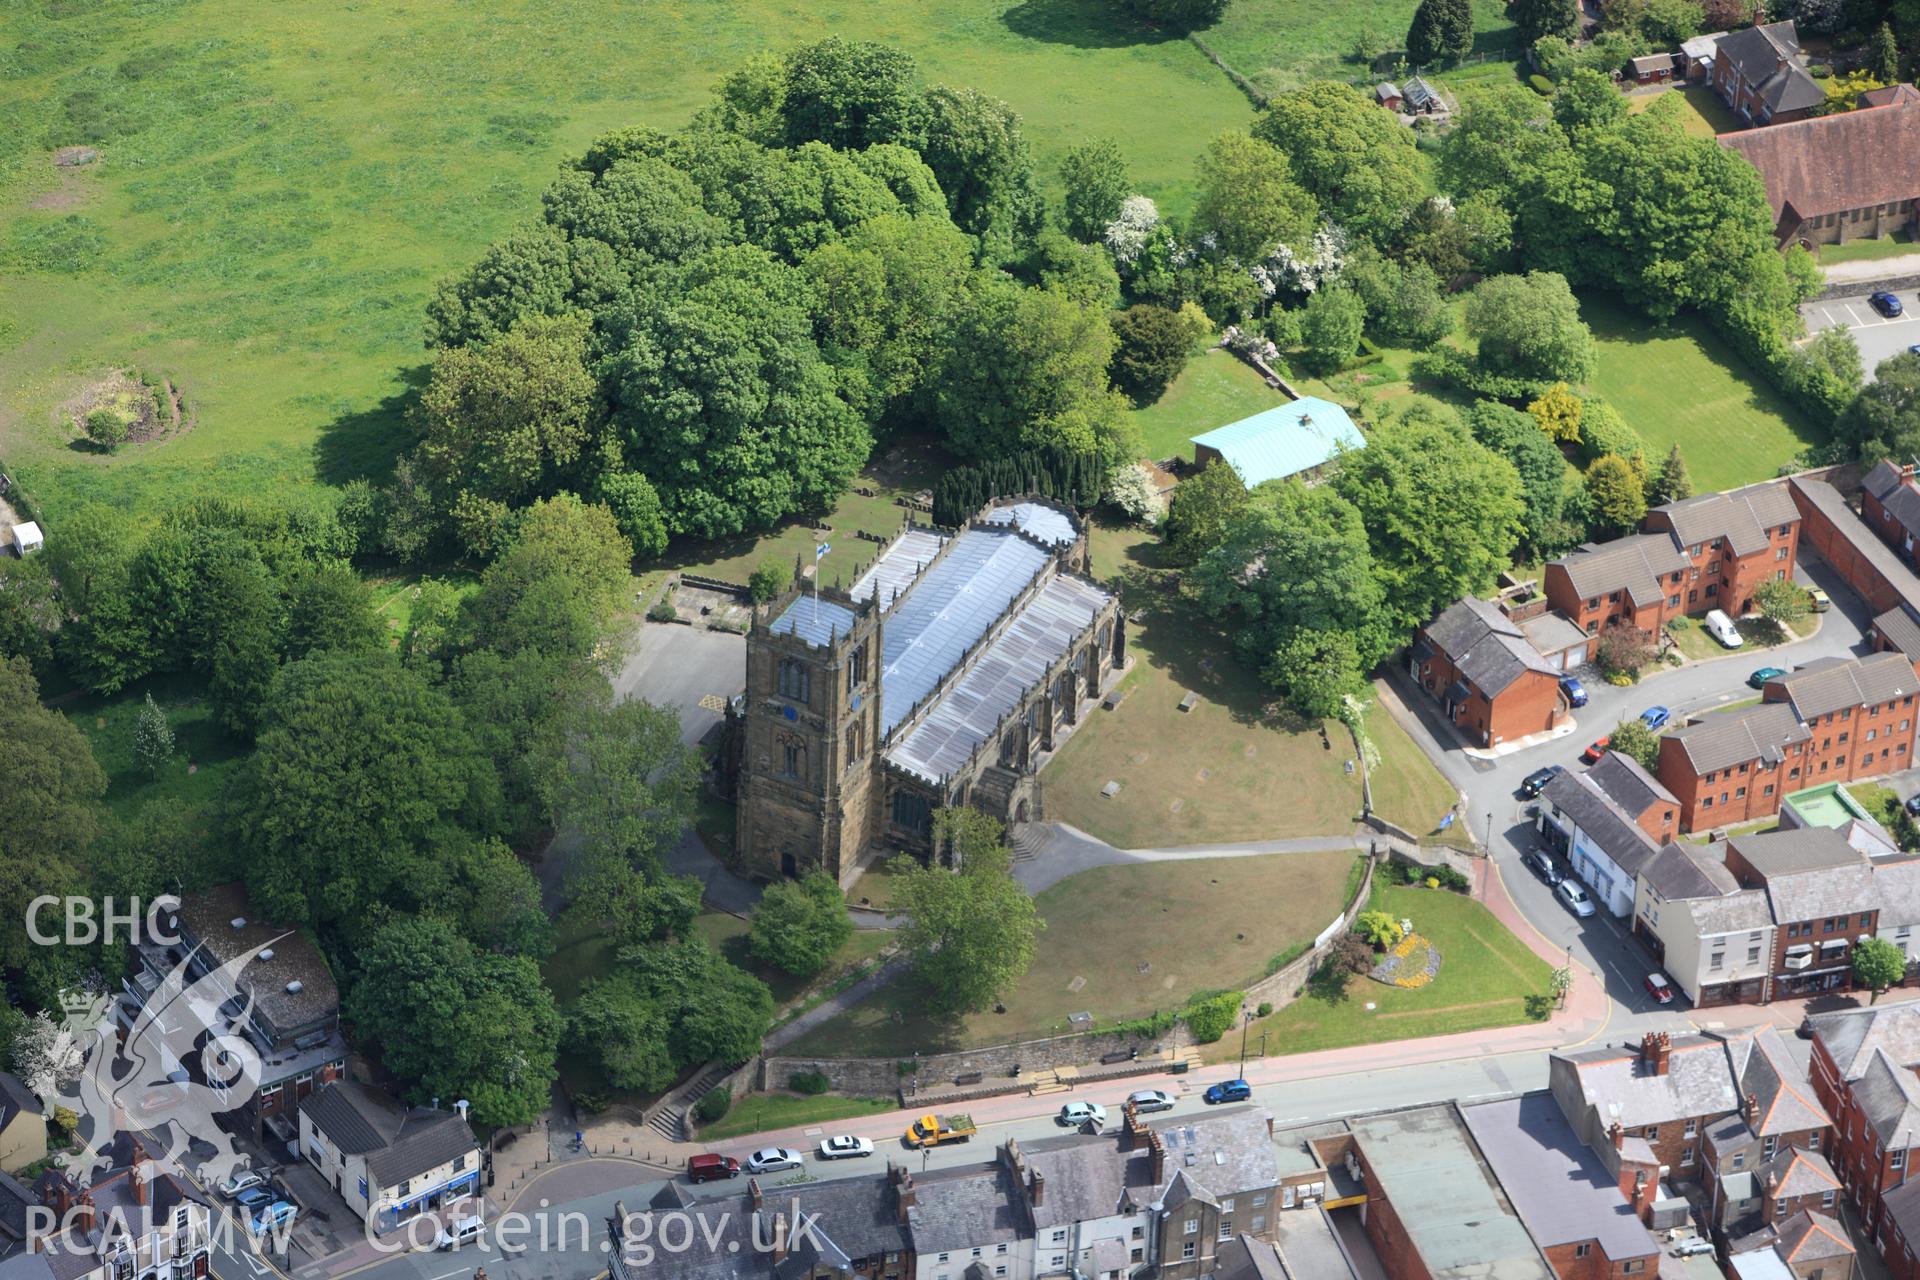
(1721, 628)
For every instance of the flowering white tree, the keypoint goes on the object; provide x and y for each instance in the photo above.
(1128, 234)
(1321, 264)
(1130, 490)
(47, 1056)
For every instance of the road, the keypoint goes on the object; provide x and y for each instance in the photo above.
(1878, 337)
(1495, 807)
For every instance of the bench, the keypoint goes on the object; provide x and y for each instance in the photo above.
(970, 1077)
(1108, 1059)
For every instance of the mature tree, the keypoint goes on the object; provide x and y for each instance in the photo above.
(506, 421)
(636, 508)
(618, 1024)
(1543, 473)
(455, 1022)
(1096, 180)
(1361, 165)
(1671, 482)
(1293, 558)
(974, 147)
(1884, 420)
(30, 611)
(723, 400)
(1442, 512)
(1604, 431)
(1083, 272)
(1331, 326)
(362, 774)
(559, 582)
(1183, 15)
(1618, 497)
(1536, 18)
(1442, 31)
(159, 848)
(718, 1012)
(1826, 369)
(850, 94)
(1588, 100)
(152, 737)
(1250, 200)
(1877, 963)
(1529, 327)
(106, 641)
(1202, 508)
(1026, 369)
(970, 926)
(1557, 411)
(1781, 600)
(1317, 671)
(1623, 649)
(1154, 346)
(1883, 55)
(46, 808)
(1405, 305)
(243, 650)
(330, 607)
(1452, 239)
(1504, 139)
(1660, 23)
(528, 272)
(1632, 738)
(798, 925)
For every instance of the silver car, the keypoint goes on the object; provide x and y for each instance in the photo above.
(773, 1160)
(845, 1147)
(1574, 898)
(1146, 1100)
(1079, 1113)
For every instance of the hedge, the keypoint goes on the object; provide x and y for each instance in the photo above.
(1077, 479)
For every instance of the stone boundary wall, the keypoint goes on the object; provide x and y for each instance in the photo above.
(711, 584)
(1859, 288)
(1284, 986)
(882, 1077)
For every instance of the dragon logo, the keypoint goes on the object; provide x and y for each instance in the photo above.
(183, 1059)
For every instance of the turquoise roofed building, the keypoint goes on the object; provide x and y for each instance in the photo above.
(1288, 440)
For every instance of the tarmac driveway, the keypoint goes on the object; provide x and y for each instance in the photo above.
(1877, 336)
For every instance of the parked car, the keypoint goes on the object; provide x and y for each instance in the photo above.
(272, 1217)
(1540, 862)
(845, 1147)
(1228, 1091)
(458, 1232)
(1575, 691)
(1574, 898)
(774, 1159)
(1821, 600)
(711, 1168)
(1596, 749)
(1758, 680)
(1885, 303)
(1693, 1246)
(1659, 988)
(1148, 1100)
(1912, 806)
(1075, 1114)
(1913, 348)
(254, 1197)
(1721, 628)
(1536, 782)
(1655, 717)
(245, 1180)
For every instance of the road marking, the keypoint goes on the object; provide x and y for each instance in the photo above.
(443, 1275)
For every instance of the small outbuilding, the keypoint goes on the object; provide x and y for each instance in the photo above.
(1296, 439)
(1654, 68)
(27, 537)
(1388, 95)
(1421, 98)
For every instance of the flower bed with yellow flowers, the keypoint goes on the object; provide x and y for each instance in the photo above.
(1410, 964)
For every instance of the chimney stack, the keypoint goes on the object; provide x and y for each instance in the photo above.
(1038, 1188)
(779, 1237)
(1617, 1135)
(904, 1195)
(1753, 1108)
(1656, 1048)
(84, 1216)
(753, 1192)
(1157, 1154)
(1644, 1195)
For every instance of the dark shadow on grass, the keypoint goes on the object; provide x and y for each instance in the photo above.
(1085, 24)
(364, 445)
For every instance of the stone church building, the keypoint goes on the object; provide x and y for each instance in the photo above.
(946, 675)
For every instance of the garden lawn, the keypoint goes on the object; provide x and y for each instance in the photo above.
(1896, 245)
(1485, 976)
(1408, 790)
(1121, 942)
(757, 1112)
(1282, 44)
(203, 753)
(279, 186)
(1682, 385)
(1705, 115)
(1204, 776)
(1216, 388)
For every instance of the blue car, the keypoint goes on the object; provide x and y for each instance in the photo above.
(1885, 303)
(1654, 717)
(254, 1198)
(1229, 1091)
(1575, 691)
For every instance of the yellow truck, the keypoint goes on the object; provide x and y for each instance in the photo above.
(932, 1130)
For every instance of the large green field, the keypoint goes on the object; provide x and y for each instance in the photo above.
(1281, 44)
(279, 185)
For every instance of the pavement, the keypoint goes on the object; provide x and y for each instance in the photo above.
(1877, 336)
(1060, 850)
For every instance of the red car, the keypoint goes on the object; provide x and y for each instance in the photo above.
(1599, 748)
(1659, 988)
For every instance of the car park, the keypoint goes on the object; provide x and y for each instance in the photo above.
(458, 1232)
(1574, 898)
(845, 1147)
(1596, 749)
(1079, 1113)
(1575, 691)
(1760, 677)
(774, 1160)
(1655, 717)
(711, 1168)
(1659, 988)
(1540, 862)
(1228, 1091)
(1536, 782)
(245, 1180)
(1885, 303)
(1148, 1100)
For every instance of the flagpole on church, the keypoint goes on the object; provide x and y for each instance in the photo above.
(819, 554)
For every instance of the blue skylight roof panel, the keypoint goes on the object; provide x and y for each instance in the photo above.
(813, 620)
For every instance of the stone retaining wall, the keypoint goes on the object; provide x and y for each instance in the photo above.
(1860, 288)
(1282, 987)
(882, 1077)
